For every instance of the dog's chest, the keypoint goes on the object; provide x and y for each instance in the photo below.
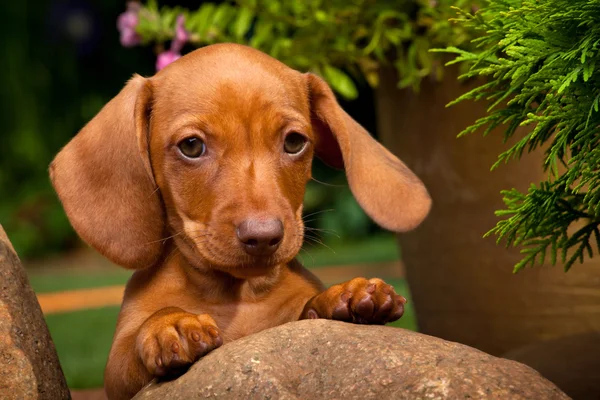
(239, 320)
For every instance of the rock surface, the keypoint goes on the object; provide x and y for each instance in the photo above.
(29, 367)
(572, 363)
(319, 359)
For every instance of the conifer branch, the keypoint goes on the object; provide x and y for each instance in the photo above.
(539, 60)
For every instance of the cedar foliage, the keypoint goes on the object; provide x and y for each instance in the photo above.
(540, 60)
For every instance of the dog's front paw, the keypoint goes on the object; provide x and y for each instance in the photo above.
(362, 301)
(169, 342)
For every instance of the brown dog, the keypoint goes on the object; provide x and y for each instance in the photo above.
(195, 178)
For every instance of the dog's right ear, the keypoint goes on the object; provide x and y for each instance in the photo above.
(384, 186)
(104, 180)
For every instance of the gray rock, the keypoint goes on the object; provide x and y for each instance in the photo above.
(320, 359)
(29, 367)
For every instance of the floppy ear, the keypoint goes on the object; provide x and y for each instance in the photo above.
(103, 178)
(389, 192)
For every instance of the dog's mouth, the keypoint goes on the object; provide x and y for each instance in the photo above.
(226, 254)
(238, 264)
(253, 270)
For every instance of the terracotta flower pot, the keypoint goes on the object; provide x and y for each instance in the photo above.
(462, 285)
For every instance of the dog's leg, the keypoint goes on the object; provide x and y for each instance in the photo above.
(165, 344)
(362, 301)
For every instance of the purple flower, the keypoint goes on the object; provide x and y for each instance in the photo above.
(181, 37)
(165, 58)
(126, 24)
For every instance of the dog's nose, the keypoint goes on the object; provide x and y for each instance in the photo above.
(260, 237)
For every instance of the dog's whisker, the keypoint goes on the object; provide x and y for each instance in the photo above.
(172, 254)
(166, 238)
(312, 239)
(320, 232)
(328, 231)
(317, 212)
(174, 236)
(310, 228)
(313, 220)
(310, 244)
(310, 255)
(154, 191)
(310, 236)
(325, 183)
(316, 240)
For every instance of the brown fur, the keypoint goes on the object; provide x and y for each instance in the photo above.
(131, 195)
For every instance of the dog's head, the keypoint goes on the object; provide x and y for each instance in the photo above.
(214, 152)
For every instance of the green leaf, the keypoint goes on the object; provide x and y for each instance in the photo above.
(222, 16)
(394, 35)
(321, 16)
(243, 22)
(263, 33)
(340, 82)
(200, 22)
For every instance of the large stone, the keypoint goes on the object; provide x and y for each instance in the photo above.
(571, 362)
(320, 359)
(29, 367)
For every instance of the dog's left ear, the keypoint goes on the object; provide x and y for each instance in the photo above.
(389, 192)
(104, 180)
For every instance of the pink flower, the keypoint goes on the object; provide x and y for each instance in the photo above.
(126, 24)
(181, 37)
(165, 58)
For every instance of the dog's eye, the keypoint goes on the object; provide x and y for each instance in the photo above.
(192, 147)
(294, 143)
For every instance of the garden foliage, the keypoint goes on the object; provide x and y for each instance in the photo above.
(341, 40)
(540, 60)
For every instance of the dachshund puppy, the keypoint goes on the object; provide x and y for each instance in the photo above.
(195, 178)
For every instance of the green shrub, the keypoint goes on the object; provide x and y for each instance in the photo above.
(334, 38)
(540, 60)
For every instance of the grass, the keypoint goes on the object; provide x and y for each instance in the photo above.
(46, 283)
(82, 340)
